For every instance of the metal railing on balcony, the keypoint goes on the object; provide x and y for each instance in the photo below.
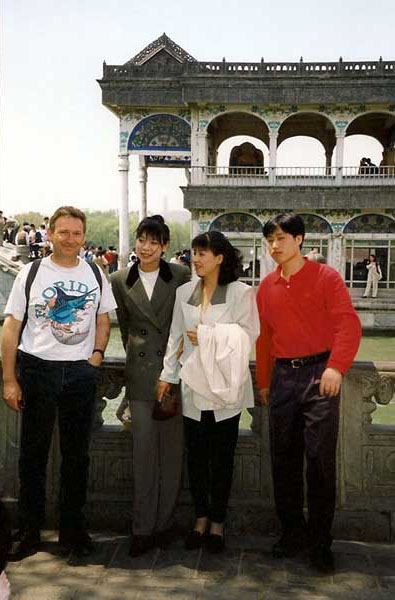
(292, 176)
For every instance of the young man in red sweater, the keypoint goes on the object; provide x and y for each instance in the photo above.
(310, 334)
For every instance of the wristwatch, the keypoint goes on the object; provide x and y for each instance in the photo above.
(99, 350)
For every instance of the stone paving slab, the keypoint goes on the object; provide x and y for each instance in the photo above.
(245, 571)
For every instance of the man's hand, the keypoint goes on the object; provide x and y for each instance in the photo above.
(330, 382)
(162, 388)
(96, 359)
(12, 392)
(12, 395)
(264, 396)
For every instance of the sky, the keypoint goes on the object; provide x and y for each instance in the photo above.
(59, 145)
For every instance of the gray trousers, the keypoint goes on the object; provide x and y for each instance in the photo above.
(157, 464)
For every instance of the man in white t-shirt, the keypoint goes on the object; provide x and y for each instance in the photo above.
(59, 342)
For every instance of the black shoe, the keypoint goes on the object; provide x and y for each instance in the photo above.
(25, 542)
(194, 540)
(290, 544)
(163, 539)
(140, 544)
(321, 558)
(215, 543)
(76, 540)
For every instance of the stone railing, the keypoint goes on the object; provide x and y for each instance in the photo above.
(366, 463)
(338, 68)
(292, 176)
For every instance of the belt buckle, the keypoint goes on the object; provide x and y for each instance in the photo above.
(296, 363)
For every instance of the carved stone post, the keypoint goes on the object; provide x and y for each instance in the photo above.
(336, 254)
(272, 158)
(143, 176)
(339, 157)
(123, 168)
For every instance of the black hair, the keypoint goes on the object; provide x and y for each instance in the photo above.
(288, 222)
(231, 267)
(374, 256)
(155, 227)
(5, 536)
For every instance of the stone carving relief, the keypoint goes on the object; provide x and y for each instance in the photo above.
(162, 43)
(377, 388)
(111, 381)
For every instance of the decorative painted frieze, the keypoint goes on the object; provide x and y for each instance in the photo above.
(272, 110)
(185, 114)
(349, 109)
(135, 116)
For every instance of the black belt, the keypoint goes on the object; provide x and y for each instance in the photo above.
(304, 361)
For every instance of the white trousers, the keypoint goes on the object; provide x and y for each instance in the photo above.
(371, 282)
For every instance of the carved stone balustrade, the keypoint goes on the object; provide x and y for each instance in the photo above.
(366, 463)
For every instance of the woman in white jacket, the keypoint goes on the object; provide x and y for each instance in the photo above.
(216, 319)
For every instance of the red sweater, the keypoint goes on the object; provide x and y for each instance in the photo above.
(309, 314)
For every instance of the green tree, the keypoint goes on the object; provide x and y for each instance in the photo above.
(102, 229)
(31, 217)
(180, 237)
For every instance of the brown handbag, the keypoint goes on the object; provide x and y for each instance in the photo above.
(169, 406)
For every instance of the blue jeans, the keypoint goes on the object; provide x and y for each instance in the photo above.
(68, 389)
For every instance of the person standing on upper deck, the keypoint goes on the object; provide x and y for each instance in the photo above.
(309, 337)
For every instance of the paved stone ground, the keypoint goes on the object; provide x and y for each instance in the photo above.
(245, 571)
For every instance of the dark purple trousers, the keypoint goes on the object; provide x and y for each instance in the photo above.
(303, 424)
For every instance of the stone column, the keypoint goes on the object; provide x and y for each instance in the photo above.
(339, 157)
(202, 156)
(272, 157)
(328, 160)
(123, 168)
(143, 176)
(199, 155)
(267, 263)
(336, 253)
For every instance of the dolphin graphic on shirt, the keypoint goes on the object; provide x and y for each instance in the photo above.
(64, 308)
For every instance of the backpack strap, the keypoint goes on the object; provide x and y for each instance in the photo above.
(99, 279)
(28, 285)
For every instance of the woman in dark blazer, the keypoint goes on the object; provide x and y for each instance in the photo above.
(145, 295)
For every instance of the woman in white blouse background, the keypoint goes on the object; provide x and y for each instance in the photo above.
(216, 320)
(374, 276)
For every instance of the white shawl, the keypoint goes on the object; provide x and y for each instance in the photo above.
(4, 587)
(218, 367)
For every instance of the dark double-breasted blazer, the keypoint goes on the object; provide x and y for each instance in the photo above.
(145, 324)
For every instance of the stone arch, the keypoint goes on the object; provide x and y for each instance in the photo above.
(370, 223)
(236, 222)
(231, 124)
(316, 223)
(379, 124)
(308, 123)
(161, 131)
(226, 112)
(238, 122)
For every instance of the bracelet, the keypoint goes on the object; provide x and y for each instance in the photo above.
(99, 350)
